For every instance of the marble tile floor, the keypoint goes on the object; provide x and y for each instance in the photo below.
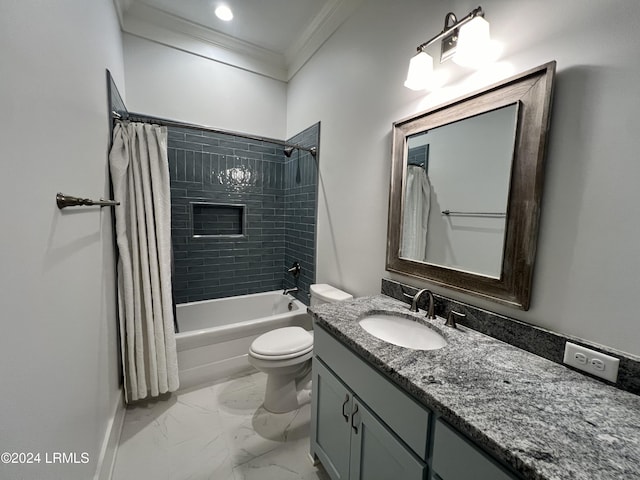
(217, 432)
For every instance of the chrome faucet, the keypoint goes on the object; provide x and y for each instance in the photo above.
(287, 291)
(430, 307)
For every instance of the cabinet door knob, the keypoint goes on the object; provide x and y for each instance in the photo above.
(354, 422)
(344, 405)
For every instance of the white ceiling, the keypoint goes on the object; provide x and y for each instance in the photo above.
(271, 37)
(271, 24)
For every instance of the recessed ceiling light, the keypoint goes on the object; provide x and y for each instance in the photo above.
(224, 13)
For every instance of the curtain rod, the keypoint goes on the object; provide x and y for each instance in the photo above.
(131, 116)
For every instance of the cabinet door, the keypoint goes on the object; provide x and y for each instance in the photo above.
(455, 458)
(331, 422)
(401, 414)
(376, 454)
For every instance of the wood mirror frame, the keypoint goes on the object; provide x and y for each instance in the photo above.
(532, 91)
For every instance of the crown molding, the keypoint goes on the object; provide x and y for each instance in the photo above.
(121, 7)
(328, 20)
(154, 24)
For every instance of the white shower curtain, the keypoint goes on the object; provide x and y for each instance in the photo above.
(417, 201)
(140, 177)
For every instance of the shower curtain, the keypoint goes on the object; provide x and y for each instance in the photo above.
(417, 202)
(140, 176)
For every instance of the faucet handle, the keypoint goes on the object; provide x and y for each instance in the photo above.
(451, 321)
(295, 269)
(414, 302)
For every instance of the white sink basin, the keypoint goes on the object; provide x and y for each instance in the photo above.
(402, 331)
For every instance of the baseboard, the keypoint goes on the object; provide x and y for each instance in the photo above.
(106, 460)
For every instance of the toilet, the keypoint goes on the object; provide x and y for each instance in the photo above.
(284, 354)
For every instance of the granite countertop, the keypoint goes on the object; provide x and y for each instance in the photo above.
(541, 418)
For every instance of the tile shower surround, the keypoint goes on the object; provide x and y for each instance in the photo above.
(300, 199)
(208, 167)
(536, 340)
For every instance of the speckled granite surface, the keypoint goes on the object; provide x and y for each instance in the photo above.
(543, 419)
(539, 341)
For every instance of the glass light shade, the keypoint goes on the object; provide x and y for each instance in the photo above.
(473, 49)
(420, 71)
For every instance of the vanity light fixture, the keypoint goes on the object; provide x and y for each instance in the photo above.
(466, 41)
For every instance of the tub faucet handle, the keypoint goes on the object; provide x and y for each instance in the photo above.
(295, 269)
(287, 291)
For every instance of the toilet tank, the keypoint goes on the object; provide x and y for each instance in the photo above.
(323, 293)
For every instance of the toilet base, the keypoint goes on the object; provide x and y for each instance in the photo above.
(286, 393)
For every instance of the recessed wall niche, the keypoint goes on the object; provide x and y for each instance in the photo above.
(217, 220)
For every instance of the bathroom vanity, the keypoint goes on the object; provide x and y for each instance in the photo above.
(475, 409)
(367, 428)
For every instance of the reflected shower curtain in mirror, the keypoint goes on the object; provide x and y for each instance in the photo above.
(140, 176)
(417, 201)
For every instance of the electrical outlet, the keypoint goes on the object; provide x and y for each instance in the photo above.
(595, 363)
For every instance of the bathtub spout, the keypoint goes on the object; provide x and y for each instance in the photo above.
(287, 291)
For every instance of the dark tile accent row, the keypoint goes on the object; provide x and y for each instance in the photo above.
(536, 340)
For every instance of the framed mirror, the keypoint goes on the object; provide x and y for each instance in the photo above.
(466, 181)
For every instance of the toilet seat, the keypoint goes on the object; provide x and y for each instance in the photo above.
(288, 356)
(282, 344)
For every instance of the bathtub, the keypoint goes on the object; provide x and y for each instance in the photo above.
(215, 335)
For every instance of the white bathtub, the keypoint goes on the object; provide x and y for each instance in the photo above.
(215, 335)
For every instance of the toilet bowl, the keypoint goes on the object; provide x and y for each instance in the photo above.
(284, 354)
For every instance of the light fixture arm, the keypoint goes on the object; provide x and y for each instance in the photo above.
(450, 20)
(448, 29)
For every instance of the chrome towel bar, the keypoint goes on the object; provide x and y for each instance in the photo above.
(473, 214)
(64, 201)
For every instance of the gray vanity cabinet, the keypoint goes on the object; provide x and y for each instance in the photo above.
(365, 427)
(376, 454)
(455, 458)
(332, 405)
(350, 441)
(362, 426)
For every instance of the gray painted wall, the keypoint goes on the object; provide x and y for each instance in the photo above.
(586, 277)
(59, 345)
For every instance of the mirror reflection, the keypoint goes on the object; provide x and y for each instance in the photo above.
(456, 190)
(469, 222)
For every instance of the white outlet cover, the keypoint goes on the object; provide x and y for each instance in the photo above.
(598, 364)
